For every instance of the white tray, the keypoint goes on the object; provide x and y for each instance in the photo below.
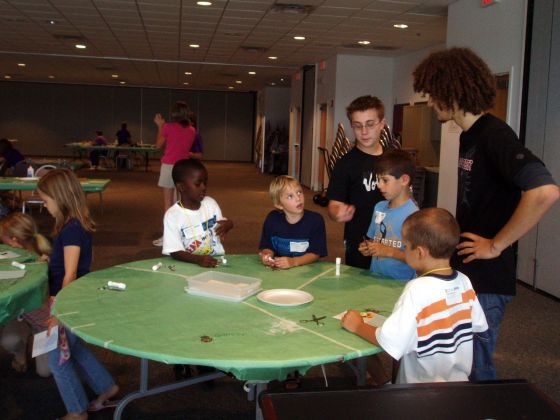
(197, 292)
(225, 286)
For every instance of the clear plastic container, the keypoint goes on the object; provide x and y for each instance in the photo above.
(215, 284)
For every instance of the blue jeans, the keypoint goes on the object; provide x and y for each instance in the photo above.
(484, 343)
(67, 376)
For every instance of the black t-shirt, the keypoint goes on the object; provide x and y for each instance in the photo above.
(354, 181)
(491, 178)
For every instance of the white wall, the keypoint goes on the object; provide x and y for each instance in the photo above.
(403, 92)
(362, 75)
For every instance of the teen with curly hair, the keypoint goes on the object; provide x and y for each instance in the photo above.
(503, 189)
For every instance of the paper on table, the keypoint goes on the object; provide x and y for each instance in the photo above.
(370, 318)
(8, 275)
(8, 254)
(43, 344)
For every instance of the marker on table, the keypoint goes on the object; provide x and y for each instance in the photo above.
(18, 265)
(224, 260)
(157, 266)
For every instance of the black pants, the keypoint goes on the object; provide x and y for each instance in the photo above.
(354, 258)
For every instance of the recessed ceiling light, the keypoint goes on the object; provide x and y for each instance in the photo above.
(364, 42)
(81, 46)
(230, 87)
(204, 3)
(194, 45)
(21, 64)
(185, 83)
(272, 84)
(188, 73)
(238, 82)
(272, 57)
(400, 26)
(252, 72)
(122, 82)
(282, 80)
(51, 76)
(7, 76)
(51, 22)
(299, 38)
(115, 76)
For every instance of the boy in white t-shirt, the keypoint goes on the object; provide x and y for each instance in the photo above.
(193, 227)
(431, 328)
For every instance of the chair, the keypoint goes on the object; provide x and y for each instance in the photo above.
(123, 162)
(20, 168)
(34, 198)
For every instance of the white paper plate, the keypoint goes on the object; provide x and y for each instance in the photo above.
(285, 297)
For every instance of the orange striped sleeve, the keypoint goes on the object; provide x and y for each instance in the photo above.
(441, 305)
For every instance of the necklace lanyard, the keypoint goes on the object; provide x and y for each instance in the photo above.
(206, 249)
(434, 271)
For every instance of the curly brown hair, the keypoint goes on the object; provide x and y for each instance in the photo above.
(363, 103)
(456, 75)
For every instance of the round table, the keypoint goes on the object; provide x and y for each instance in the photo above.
(25, 294)
(154, 318)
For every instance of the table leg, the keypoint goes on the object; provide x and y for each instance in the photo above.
(359, 370)
(253, 390)
(147, 161)
(144, 391)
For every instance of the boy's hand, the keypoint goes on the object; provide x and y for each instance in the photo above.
(364, 248)
(223, 226)
(352, 321)
(267, 258)
(345, 213)
(207, 261)
(379, 250)
(283, 263)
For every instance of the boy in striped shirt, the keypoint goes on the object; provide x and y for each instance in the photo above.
(432, 325)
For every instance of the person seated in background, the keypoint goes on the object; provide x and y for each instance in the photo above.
(20, 231)
(433, 322)
(123, 136)
(291, 236)
(94, 155)
(194, 226)
(395, 171)
(9, 157)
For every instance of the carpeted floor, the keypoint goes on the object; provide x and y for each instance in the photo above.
(131, 219)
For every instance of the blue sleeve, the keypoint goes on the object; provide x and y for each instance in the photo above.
(266, 234)
(318, 236)
(197, 145)
(72, 234)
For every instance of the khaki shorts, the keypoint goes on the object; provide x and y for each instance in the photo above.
(165, 178)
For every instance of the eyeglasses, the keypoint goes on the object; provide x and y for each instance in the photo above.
(368, 125)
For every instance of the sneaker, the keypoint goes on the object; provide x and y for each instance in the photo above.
(158, 242)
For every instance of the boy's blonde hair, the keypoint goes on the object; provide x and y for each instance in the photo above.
(63, 187)
(22, 227)
(278, 185)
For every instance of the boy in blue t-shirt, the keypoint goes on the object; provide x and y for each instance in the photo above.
(395, 171)
(291, 235)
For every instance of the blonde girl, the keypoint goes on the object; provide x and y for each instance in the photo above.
(20, 231)
(70, 259)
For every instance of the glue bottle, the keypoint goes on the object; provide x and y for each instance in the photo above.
(30, 172)
(338, 262)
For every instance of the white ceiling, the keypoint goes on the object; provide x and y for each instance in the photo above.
(146, 42)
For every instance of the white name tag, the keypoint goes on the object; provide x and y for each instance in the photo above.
(379, 216)
(453, 296)
(299, 246)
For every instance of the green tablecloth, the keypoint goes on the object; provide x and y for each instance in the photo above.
(156, 319)
(22, 295)
(23, 184)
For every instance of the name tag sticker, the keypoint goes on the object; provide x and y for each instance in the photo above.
(453, 296)
(379, 216)
(299, 246)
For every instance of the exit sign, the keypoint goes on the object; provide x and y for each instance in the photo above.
(484, 3)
